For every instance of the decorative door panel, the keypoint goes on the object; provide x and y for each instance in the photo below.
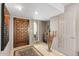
(21, 36)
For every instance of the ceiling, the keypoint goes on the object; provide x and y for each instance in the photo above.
(39, 11)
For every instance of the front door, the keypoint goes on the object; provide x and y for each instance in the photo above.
(21, 36)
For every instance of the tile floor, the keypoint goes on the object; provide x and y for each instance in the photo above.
(42, 48)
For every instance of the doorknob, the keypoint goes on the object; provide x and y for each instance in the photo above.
(72, 37)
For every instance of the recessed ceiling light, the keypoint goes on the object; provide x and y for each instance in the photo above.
(19, 8)
(36, 13)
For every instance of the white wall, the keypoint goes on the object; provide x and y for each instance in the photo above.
(11, 33)
(30, 30)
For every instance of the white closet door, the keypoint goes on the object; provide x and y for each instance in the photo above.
(69, 30)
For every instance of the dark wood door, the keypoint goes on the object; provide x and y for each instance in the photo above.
(21, 36)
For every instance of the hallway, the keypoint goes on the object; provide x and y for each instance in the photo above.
(46, 29)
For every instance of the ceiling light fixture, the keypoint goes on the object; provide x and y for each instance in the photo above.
(19, 8)
(36, 13)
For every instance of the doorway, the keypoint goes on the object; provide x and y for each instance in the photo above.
(21, 35)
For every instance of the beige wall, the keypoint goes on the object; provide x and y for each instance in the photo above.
(56, 24)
